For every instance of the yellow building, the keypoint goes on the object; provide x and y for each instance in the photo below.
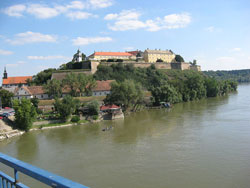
(151, 56)
(111, 55)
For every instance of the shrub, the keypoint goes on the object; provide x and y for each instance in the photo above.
(93, 108)
(39, 111)
(75, 119)
(95, 117)
(66, 106)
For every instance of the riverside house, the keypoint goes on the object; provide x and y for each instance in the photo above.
(102, 89)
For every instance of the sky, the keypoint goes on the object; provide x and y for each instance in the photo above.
(36, 35)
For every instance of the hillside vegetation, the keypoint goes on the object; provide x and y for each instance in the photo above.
(168, 85)
(240, 76)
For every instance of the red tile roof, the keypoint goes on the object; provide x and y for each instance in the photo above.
(103, 85)
(31, 90)
(35, 90)
(113, 53)
(16, 80)
(23, 87)
(107, 107)
(133, 52)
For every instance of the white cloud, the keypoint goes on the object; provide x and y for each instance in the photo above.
(79, 15)
(225, 59)
(129, 48)
(110, 16)
(5, 52)
(76, 5)
(15, 64)
(31, 37)
(236, 49)
(124, 25)
(21, 62)
(42, 11)
(47, 57)
(12, 65)
(15, 10)
(79, 41)
(174, 21)
(125, 20)
(210, 29)
(45, 11)
(129, 20)
(124, 15)
(100, 3)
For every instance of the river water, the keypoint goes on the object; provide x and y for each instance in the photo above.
(201, 144)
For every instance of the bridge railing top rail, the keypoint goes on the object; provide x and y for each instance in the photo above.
(39, 174)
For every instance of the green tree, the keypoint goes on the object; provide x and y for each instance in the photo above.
(25, 114)
(71, 81)
(6, 97)
(66, 107)
(86, 84)
(42, 77)
(63, 67)
(83, 56)
(179, 59)
(195, 86)
(212, 87)
(165, 93)
(93, 107)
(53, 88)
(35, 102)
(126, 94)
(79, 84)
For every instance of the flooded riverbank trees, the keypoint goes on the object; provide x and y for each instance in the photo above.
(66, 107)
(126, 94)
(165, 85)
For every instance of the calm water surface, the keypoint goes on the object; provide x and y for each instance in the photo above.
(197, 144)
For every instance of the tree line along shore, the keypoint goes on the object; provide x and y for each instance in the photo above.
(132, 89)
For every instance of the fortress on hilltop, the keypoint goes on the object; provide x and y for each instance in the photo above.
(162, 59)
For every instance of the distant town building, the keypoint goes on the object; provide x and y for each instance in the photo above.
(138, 55)
(111, 55)
(102, 88)
(30, 92)
(13, 82)
(151, 56)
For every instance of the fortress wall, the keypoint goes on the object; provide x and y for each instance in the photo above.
(185, 66)
(94, 65)
(158, 65)
(62, 75)
(195, 67)
(176, 66)
(162, 65)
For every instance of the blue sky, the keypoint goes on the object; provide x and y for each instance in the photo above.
(35, 35)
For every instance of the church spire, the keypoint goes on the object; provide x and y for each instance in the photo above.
(5, 74)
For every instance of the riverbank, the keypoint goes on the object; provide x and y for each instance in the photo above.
(203, 143)
(9, 133)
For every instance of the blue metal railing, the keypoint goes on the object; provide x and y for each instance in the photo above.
(39, 174)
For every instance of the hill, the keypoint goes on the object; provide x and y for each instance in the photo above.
(240, 76)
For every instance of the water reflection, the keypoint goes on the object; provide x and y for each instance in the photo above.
(27, 147)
